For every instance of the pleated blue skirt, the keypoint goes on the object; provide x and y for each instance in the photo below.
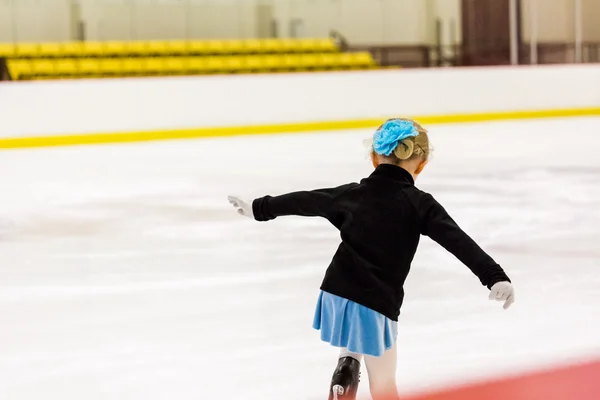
(344, 323)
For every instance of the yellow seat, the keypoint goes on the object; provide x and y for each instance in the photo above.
(178, 47)
(50, 50)
(255, 64)
(215, 47)
(364, 59)
(273, 63)
(289, 46)
(132, 66)
(175, 65)
(343, 61)
(325, 46)
(153, 66)
(157, 48)
(307, 46)
(197, 65)
(42, 68)
(88, 67)
(27, 50)
(116, 49)
(309, 62)
(207, 48)
(322, 61)
(215, 65)
(136, 48)
(291, 62)
(111, 67)
(231, 47)
(93, 49)
(272, 46)
(19, 69)
(72, 49)
(66, 67)
(234, 64)
(356, 60)
(197, 48)
(7, 50)
(253, 46)
(328, 61)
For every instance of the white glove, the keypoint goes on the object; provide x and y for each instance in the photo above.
(243, 208)
(503, 291)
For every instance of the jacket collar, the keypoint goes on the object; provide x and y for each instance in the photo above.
(393, 172)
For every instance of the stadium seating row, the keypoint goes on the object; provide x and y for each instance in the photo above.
(166, 48)
(160, 66)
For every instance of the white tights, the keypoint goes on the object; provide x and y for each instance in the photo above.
(381, 371)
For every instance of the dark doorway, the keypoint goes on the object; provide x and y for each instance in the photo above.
(486, 31)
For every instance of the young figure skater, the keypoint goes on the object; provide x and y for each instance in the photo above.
(380, 220)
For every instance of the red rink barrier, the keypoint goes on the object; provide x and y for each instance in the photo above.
(578, 382)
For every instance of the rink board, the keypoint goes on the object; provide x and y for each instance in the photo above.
(144, 109)
(196, 133)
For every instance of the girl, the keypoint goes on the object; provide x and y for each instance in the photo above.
(380, 220)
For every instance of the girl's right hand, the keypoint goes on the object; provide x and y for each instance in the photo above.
(243, 208)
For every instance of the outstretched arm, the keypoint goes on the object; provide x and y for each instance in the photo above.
(314, 203)
(439, 226)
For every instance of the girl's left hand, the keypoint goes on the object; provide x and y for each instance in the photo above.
(503, 291)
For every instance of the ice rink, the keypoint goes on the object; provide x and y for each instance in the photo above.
(125, 274)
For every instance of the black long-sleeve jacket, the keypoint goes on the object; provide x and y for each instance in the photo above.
(380, 220)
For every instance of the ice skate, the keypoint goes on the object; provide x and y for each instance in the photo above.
(345, 379)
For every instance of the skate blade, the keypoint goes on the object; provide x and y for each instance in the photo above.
(337, 390)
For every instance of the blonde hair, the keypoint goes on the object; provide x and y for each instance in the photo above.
(412, 147)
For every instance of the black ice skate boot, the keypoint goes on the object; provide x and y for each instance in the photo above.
(344, 382)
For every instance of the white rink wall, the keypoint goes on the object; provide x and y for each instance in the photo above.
(114, 105)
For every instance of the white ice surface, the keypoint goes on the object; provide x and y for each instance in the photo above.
(124, 273)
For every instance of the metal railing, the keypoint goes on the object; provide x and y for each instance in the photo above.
(451, 56)
(4, 74)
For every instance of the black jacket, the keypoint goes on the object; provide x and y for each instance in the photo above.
(380, 220)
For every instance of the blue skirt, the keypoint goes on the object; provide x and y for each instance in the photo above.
(344, 323)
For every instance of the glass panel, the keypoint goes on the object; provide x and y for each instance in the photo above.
(397, 32)
(308, 18)
(445, 32)
(549, 31)
(35, 20)
(590, 11)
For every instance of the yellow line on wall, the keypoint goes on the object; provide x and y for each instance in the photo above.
(140, 136)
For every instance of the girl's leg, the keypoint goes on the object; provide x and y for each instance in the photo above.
(344, 382)
(346, 353)
(382, 374)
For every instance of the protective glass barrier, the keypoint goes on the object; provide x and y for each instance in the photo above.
(561, 31)
(397, 32)
(93, 20)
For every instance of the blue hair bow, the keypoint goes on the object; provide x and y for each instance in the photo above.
(392, 132)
